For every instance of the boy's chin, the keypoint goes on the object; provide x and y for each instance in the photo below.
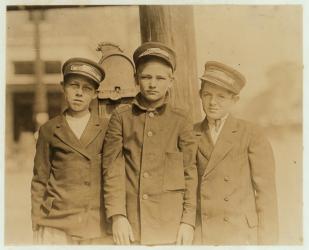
(78, 110)
(153, 98)
(214, 116)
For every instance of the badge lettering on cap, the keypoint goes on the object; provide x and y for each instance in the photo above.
(155, 51)
(87, 69)
(221, 76)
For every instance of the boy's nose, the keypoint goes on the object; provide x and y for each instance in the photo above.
(213, 100)
(152, 83)
(79, 91)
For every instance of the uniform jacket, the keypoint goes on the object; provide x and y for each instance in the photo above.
(66, 190)
(237, 201)
(150, 171)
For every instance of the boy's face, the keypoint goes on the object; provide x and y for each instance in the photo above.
(154, 78)
(79, 91)
(217, 102)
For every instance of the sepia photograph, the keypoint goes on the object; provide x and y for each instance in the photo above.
(151, 124)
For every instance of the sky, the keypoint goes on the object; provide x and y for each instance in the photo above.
(251, 39)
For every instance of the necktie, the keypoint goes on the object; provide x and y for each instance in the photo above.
(217, 125)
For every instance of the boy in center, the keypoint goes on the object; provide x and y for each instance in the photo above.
(149, 168)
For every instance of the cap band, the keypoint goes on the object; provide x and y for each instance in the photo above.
(152, 51)
(86, 69)
(219, 75)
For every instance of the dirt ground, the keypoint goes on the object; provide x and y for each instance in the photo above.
(287, 144)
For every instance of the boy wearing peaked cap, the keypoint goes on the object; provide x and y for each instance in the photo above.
(66, 184)
(150, 176)
(237, 201)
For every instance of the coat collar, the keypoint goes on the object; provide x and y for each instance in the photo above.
(66, 135)
(139, 103)
(224, 143)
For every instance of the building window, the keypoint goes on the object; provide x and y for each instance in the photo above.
(24, 68)
(28, 67)
(52, 67)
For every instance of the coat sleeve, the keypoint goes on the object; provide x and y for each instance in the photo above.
(188, 146)
(114, 169)
(41, 172)
(262, 165)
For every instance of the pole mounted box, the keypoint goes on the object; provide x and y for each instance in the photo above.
(119, 86)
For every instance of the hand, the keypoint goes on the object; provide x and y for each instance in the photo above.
(185, 234)
(122, 231)
(37, 236)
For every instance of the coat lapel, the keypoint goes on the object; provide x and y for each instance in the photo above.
(66, 135)
(91, 131)
(224, 144)
(205, 143)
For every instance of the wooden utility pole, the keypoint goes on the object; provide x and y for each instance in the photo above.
(40, 110)
(174, 26)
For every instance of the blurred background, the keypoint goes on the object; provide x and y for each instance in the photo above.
(262, 42)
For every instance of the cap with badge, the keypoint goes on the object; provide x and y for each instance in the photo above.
(84, 67)
(155, 49)
(223, 76)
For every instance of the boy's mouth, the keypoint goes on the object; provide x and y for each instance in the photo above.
(77, 101)
(151, 92)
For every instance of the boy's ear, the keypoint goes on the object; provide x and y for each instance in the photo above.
(171, 82)
(95, 95)
(62, 84)
(136, 78)
(235, 98)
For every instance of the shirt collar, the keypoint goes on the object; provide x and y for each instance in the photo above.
(222, 119)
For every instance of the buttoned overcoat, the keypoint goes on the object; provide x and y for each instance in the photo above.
(150, 171)
(237, 201)
(66, 189)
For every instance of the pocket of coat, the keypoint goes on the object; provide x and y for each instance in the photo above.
(47, 204)
(173, 172)
(252, 219)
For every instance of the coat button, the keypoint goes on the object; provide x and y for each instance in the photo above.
(145, 175)
(226, 198)
(145, 196)
(151, 114)
(87, 183)
(150, 133)
(226, 178)
(226, 219)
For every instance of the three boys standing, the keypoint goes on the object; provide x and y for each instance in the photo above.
(155, 166)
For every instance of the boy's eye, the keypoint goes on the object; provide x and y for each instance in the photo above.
(145, 77)
(88, 89)
(205, 94)
(74, 85)
(162, 78)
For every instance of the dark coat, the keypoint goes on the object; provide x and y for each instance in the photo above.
(237, 201)
(66, 189)
(150, 171)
